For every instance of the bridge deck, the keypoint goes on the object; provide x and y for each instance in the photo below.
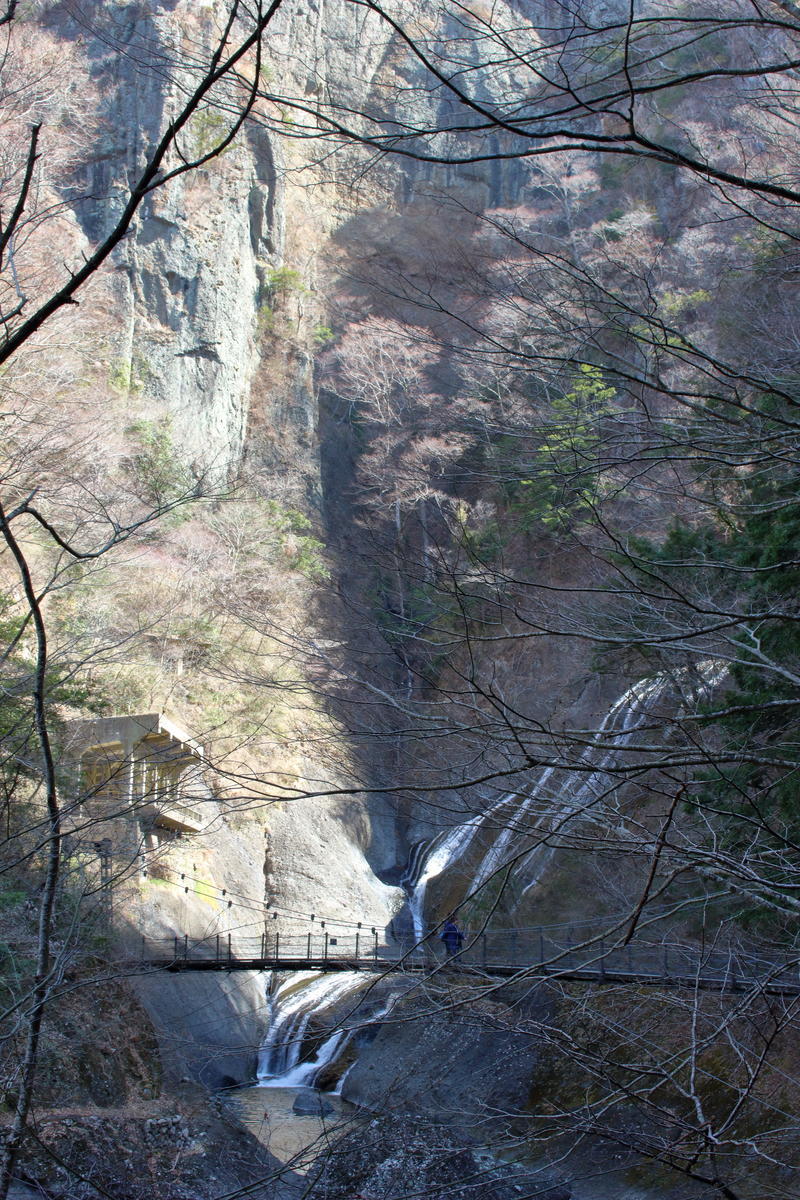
(501, 955)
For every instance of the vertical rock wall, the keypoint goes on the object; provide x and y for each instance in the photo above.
(188, 276)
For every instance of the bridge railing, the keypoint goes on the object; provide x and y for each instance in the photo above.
(553, 951)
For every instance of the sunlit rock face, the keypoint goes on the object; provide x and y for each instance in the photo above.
(188, 273)
(190, 276)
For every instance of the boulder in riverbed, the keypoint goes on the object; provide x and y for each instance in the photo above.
(309, 1103)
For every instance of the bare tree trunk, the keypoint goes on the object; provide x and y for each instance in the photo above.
(42, 980)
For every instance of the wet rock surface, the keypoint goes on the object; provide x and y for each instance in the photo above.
(312, 1104)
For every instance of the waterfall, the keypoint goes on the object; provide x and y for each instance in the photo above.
(451, 846)
(623, 721)
(291, 1008)
(304, 1074)
(444, 851)
(415, 860)
(580, 787)
(575, 789)
(564, 790)
(300, 996)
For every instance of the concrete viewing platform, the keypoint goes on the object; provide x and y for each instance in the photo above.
(136, 765)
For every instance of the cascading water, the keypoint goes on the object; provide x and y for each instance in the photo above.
(624, 720)
(560, 792)
(446, 850)
(296, 1000)
(579, 788)
(299, 997)
(570, 791)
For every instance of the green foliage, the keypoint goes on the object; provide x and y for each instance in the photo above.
(155, 467)
(676, 304)
(322, 335)
(208, 128)
(766, 245)
(129, 375)
(119, 375)
(265, 319)
(283, 281)
(279, 284)
(564, 486)
(11, 897)
(748, 563)
(410, 619)
(482, 544)
(21, 764)
(18, 744)
(264, 533)
(301, 550)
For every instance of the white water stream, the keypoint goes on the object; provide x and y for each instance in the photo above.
(297, 999)
(547, 801)
(575, 790)
(300, 995)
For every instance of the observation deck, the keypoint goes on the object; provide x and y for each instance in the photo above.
(139, 765)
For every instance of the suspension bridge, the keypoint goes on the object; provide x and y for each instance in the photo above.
(553, 952)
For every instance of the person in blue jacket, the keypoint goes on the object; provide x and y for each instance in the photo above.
(452, 936)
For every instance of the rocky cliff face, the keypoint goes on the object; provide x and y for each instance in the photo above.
(194, 342)
(189, 273)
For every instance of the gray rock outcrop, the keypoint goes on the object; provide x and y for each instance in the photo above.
(188, 275)
(209, 1026)
(443, 1066)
